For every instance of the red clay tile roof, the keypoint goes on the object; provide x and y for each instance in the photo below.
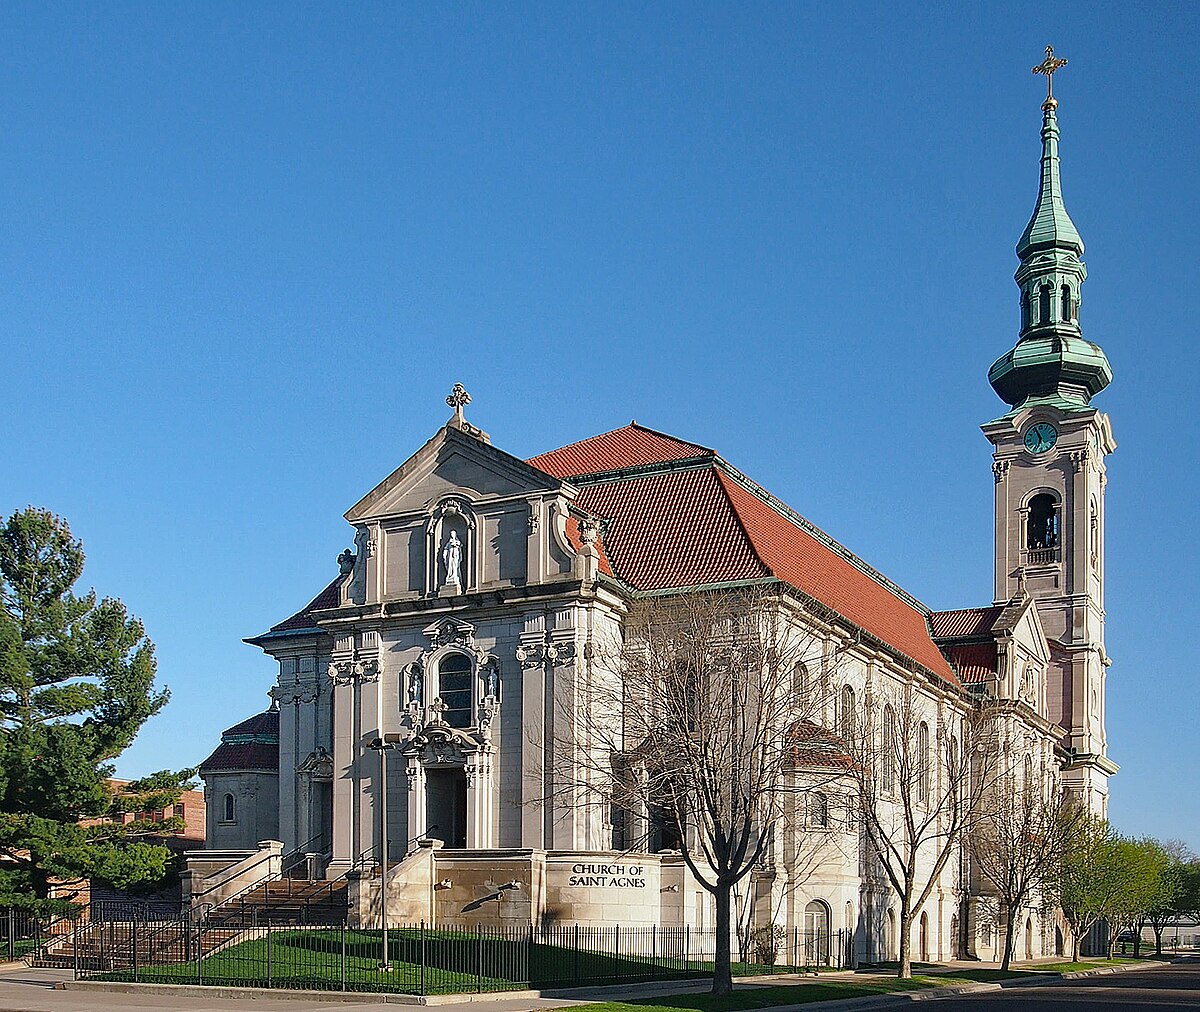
(964, 622)
(258, 756)
(797, 557)
(328, 598)
(976, 662)
(672, 530)
(251, 744)
(263, 725)
(707, 524)
(631, 446)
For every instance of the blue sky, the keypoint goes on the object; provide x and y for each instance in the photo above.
(246, 249)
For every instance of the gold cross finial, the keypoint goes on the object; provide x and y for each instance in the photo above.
(1048, 66)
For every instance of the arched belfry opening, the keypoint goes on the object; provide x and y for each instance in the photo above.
(1043, 529)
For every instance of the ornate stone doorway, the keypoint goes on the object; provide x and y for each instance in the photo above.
(446, 806)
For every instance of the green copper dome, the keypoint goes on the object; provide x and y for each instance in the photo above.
(1051, 361)
(1069, 367)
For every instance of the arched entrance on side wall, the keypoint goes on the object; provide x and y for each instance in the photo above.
(816, 934)
(954, 936)
(1059, 942)
(924, 947)
(1029, 938)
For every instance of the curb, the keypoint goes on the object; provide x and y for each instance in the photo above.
(284, 994)
(1103, 971)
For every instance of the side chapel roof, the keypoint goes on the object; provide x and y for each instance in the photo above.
(252, 744)
(967, 637)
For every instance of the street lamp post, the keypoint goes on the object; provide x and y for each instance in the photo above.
(382, 744)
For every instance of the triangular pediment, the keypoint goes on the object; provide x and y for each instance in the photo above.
(1019, 621)
(452, 463)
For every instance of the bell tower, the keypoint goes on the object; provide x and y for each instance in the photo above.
(1049, 465)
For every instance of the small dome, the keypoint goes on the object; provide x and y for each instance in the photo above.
(1070, 367)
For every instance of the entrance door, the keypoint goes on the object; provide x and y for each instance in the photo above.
(446, 806)
(816, 934)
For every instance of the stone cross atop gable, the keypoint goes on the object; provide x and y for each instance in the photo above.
(459, 399)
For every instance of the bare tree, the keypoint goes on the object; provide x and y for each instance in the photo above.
(1018, 842)
(686, 725)
(920, 780)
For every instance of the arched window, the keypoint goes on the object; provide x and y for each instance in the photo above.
(1042, 527)
(1029, 783)
(818, 811)
(454, 689)
(923, 760)
(1044, 305)
(952, 770)
(1025, 321)
(847, 714)
(1066, 303)
(800, 685)
(889, 750)
(229, 809)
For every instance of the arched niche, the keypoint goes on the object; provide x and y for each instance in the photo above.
(451, 533)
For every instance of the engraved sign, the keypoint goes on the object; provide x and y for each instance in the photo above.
(608, 876)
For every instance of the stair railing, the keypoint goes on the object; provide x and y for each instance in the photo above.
(298, 855)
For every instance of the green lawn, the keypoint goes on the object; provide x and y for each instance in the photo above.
(454, 962)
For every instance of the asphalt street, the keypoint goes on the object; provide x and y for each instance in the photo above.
(1174, 987)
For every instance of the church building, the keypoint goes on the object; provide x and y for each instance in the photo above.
(417, 692)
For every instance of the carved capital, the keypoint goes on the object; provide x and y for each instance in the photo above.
(548, 651)
(1000, 469)
(1080, 458)
(295, 692)
(357, 670)
(476, 771)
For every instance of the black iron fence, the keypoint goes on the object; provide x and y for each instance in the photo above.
(417, 960)
(25, 931)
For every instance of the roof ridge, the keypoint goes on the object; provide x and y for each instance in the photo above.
(635, 424)
(695, 463)
(742, 523)
(815, 532)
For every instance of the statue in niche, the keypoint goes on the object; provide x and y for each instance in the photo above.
(416, 685)
(452, 553)
(492, 682)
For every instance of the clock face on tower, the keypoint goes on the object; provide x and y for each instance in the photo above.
(1041, 437)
